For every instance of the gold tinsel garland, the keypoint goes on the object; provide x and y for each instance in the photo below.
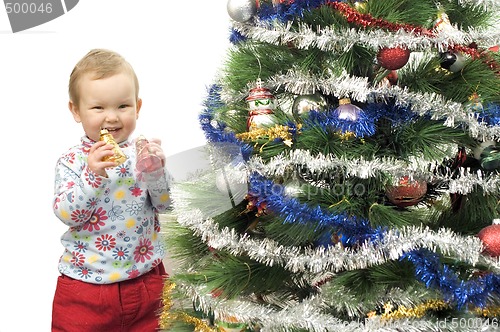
(420, 310)
(278, 131)
(489, 312)
(404, 312)
(167, 317)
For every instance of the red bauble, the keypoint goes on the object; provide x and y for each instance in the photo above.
(393, 58)
(490, 235)
(407, 193)
(393, 77)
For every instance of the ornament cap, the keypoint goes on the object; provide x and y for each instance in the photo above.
(344, 101)
(496, 221)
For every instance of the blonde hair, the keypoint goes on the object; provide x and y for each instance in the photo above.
(100, 63)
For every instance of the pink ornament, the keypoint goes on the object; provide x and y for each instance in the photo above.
(347, 111)
(147, 162)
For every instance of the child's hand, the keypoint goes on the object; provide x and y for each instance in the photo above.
(98, 151)
(154, 147)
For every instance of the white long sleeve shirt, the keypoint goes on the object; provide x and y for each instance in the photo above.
(114, 230)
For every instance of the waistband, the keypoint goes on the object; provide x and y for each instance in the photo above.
(157, 270)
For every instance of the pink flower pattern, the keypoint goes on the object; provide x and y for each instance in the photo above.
(143, 251)
(105, 242)
(80, 215)
(96, 221)
(78, 259)
(92, 179)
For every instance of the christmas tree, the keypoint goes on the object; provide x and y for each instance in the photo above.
(355, 172)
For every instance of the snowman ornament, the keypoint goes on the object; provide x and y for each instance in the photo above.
(261, 106)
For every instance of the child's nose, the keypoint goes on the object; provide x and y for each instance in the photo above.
(111, 116)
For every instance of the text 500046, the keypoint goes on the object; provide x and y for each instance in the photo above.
(28, 7)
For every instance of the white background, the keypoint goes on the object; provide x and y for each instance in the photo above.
(176, 48)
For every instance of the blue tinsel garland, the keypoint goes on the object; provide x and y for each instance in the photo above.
(434, 274)
(428, 266)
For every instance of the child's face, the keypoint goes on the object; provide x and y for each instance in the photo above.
(107, 103)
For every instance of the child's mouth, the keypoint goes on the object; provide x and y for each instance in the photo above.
(112, 130)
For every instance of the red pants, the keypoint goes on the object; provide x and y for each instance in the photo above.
(127, 306)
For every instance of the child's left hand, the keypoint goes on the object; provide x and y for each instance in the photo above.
(154, 147)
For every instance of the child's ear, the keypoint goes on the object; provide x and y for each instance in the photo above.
(74, 111)
(138, 108)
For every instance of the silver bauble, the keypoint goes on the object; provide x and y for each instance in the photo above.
(241, 10)
(305, 103)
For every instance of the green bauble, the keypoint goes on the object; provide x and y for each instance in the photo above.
(488, 154)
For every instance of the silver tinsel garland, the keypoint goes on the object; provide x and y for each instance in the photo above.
(341, 39)
(334, 258)
(308, 314)
(358, 89)
(486, 4)
(462, 183)
(319, 264)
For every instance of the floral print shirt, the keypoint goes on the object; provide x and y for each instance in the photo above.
(114, 230)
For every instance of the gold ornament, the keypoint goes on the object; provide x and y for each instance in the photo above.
(443, 23)
(118, 156)
(474, 103)
(346, 136)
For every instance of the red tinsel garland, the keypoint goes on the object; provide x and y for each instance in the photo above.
(366, 20)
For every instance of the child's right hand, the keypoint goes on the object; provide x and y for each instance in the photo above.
(96, 153)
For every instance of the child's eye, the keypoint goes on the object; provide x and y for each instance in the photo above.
(97, 108)
(123, 106)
